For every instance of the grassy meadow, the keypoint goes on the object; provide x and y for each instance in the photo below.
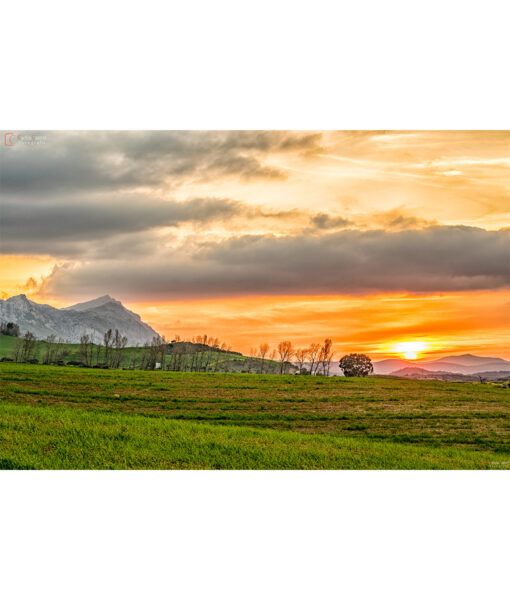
(74, 418)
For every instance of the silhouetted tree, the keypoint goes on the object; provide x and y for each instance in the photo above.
(119, 342)
(151, 352)
(17, 351)
(10, 328)
(62, 351)
(286, 352)
(301, 356)
(50, 350)
(24, 348)
(313, 352)
(263, 350)
(85, 350)
(325, 356)
(97, 353)
(356, 365)
(163, 349)
(107, 338)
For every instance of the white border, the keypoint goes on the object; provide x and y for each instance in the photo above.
(265, 65)
(395, 64)
(271, 535)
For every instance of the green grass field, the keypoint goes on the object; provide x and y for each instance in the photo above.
(73, 418)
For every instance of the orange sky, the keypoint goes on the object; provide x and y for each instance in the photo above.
(474, 322)
(296, 187)
(449, 323)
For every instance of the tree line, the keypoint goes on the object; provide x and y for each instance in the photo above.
(25, 350)
(198, 354)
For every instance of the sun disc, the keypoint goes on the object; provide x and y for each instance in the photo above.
(410, 350)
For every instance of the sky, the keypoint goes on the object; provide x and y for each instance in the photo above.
(371, 238)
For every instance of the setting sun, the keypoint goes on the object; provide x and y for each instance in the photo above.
(410, 350)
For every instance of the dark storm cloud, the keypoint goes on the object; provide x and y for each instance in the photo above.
(77, 161)
(348, 262)
(49, 227)
(119, 224)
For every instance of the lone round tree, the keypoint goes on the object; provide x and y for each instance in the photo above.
(356, 365)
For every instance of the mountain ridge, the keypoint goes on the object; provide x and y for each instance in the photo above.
(92, 317)
(94, 303)
(469, 364)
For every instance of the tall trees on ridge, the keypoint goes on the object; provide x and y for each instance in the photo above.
(202, 353)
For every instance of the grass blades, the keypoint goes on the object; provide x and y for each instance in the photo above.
(70, 438)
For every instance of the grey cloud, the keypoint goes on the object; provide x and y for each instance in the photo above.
(246, 168)
(77, 161)
(346, 262)
(399, 218)
(57, 227)
(325, 221)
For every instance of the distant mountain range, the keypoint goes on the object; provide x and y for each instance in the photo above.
(465, 364)
(93, 317)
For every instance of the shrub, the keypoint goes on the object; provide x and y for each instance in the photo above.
(9, 329)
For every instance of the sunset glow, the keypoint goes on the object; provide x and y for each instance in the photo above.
(410, 350)
(391, 243)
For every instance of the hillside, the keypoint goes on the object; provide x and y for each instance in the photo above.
(93, 318)
(217, 360)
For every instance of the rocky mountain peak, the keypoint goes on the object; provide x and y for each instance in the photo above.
(95, 303)
(93, 317)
